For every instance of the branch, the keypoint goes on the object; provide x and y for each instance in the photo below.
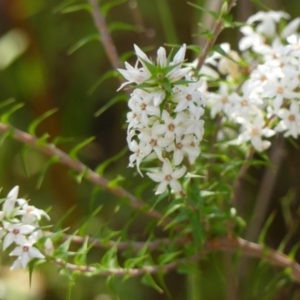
(216, 31)
(106, 38)
(79, 167)
(250, 249)
(226, 244)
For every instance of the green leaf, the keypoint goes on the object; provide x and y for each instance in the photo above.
(83, 41)
(168, 257)
(148, 280)
(62, 250)
(75, 7)
(113, 26)
(111, 102)
(115, 182)
(111, 282)
(214, 14)
(106, 7)
(32, 127)
(107, 75)
(109, 259)
(172, 208)
(90, 217)
(100, 169)
(263, 233)
(5, 135)
(62, 5)
(7, 102)
(58, 224)
(75, 150)
(53, 160)
(80, 257)
(5, 117)
(81, 175)
(135, 262)
(197, 227)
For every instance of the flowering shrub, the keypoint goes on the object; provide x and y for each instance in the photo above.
(195, 129)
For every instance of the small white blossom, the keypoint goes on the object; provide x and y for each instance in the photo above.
(168, 176)
(16, 233)
(25, 252)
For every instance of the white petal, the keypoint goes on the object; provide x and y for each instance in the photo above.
(161, 187)
(179, 173)
(167, 168)
(13, 194)
(157, 177)
(175, 185)
(17, 264)
(34, 252)
(25, 258)
(8, 240)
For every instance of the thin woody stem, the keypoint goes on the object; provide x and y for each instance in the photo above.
(226, 244)
(79, 167)
(215, 33)
(108, 43)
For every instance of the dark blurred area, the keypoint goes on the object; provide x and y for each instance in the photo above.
(37, 69)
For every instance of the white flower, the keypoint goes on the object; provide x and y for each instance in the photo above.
(221, 101)
(156, 142)
(184, 145)
(188, 97)
(171, 127)
(290, 122)
(140, 151)
(26, 253)
(281, 88)
(254, 132)
(30, 214)
(267, 21)
(168, 176)
(16, 233)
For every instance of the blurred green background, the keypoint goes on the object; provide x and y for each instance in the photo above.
(39, 68)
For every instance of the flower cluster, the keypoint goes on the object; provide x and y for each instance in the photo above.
(164, 123)
(20, 227)
(260, 90)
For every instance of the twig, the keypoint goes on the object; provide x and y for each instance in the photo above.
(79, 167)
(107, 40)
(227, 244)
(216, 31)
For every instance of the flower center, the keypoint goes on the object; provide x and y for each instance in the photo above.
(224, 100)
(25, 248)
(16, 231)
(254, 131)
(292, 118)
(143, 106)
(280, 90)
(153, 142)
(189, 97)
(244, 103)
(168, 178)
(263, 78)
(171, 127)
(179, 146)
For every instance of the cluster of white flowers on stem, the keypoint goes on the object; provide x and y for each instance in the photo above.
(259, 87)
(20, 228)
(164, 123)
